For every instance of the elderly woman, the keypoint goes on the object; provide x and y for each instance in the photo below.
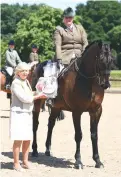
(21, 115)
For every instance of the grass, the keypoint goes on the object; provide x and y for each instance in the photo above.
(115, 84)
(116, 74)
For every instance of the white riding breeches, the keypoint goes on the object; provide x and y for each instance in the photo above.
(9, 70)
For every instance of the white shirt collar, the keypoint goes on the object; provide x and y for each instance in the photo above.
(70, 27)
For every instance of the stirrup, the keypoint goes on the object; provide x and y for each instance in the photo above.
(49, 102)
(7, 87)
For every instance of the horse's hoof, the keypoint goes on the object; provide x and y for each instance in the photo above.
(35, 154)
(47, 153)
(78, 166)
(99, 165)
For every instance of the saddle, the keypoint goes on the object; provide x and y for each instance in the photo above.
(3, 71)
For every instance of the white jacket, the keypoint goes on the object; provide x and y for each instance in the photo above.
(22, 100)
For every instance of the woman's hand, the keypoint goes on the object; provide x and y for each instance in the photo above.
(40, 96)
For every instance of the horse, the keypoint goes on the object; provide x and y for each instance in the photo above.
(81, 89)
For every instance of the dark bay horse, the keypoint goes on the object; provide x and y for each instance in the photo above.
(81, 89)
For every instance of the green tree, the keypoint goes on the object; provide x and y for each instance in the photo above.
(12, 14)
(38, 28)
(114, 36)
(102, 20)
(4, 47)
(36, 24)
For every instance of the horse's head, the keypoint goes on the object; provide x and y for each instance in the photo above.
(104, 63)
(96, 62)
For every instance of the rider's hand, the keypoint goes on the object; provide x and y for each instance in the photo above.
(59, 61)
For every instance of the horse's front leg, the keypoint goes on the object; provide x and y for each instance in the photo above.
(94, 120)
(51, 123)
(37, 105)
(78, 137)
(35, 127)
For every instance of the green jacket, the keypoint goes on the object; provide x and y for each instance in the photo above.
(68, 43)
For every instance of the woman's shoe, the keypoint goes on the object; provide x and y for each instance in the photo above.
(26, 166)
(20, 169)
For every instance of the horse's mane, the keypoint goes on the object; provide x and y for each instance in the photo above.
(88, 46)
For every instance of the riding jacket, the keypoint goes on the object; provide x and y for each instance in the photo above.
(12, 58)
(69, 43)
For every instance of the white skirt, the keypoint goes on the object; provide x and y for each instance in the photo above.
(21, 126)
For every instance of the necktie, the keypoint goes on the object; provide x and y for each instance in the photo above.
(71, 29)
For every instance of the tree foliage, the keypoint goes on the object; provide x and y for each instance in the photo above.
(38, 29)
(36, 24)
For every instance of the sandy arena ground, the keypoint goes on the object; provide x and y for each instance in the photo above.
(63, 144)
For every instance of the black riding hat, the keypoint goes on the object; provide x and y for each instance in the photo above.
(68, 12)
(11, 42)
(34, 46)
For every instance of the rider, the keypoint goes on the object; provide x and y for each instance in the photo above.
(34, 55)
(34, 60)
(12, 60)
(70, 39)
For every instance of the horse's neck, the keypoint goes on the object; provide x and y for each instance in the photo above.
(30, 77)
(88, 63)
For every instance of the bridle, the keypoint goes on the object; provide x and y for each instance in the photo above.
(98, 72)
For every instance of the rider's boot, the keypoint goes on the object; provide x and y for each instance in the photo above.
(8, 83)
(8, 87)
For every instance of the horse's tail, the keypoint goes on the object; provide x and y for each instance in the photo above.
(60, 116)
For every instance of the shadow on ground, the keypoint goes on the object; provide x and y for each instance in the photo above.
(41, 159)
(4, 117)
(6, 165)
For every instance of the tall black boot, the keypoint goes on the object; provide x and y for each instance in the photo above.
(8, 82)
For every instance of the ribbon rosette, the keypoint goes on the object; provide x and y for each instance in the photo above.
(39, 87)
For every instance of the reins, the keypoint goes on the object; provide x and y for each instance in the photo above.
(80, 73)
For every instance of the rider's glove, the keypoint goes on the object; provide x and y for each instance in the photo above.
(59, 61)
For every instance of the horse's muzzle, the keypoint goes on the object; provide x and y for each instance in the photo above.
(106, 85)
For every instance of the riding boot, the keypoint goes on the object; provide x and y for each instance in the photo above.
(8, 83)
